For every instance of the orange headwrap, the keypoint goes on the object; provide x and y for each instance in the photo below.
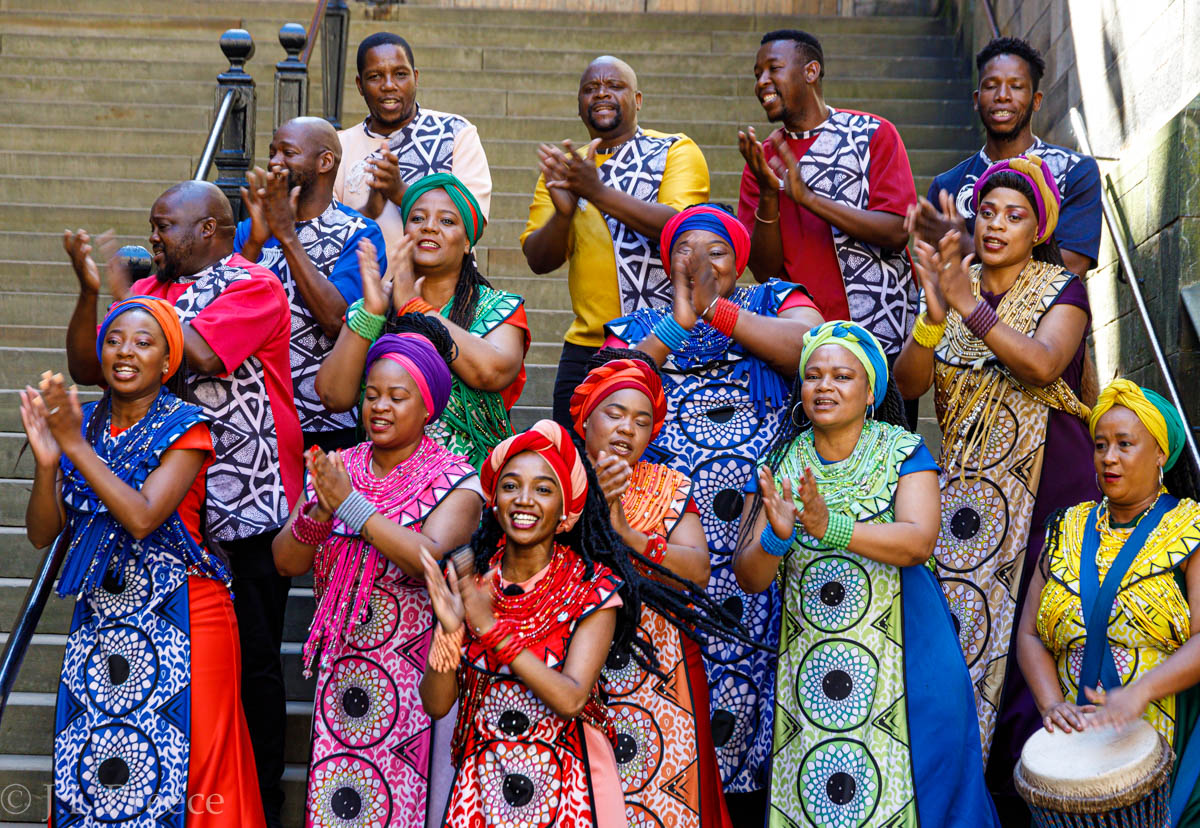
(163, 313)
(552, 443)
(612, 376)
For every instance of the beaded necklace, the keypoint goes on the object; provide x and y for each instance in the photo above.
(649, 495)
(859, 479)
(555, 600)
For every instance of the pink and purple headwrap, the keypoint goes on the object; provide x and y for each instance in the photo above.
(1047, 198)
(424, 364)
(714, 220)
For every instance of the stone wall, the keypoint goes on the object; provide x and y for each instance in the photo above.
(1132, 68)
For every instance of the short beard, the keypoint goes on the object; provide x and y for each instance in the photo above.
(404, 118)
(618, 120)
(302, 179)
(1012, 134)
(172, 266)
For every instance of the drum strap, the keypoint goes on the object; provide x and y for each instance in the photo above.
(1097, 598)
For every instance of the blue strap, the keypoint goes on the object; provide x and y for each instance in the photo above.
(1187, 774)
(1097, 599)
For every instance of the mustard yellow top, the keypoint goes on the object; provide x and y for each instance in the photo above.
(592, 266)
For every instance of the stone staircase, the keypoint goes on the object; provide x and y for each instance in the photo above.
(101, 110)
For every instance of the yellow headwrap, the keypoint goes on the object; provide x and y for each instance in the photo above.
(1158, 416)
(1046, 195)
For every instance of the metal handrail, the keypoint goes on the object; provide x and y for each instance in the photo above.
(1135, 286)
(313, 28)
(991, 17)
(214, 135)
(28, 618)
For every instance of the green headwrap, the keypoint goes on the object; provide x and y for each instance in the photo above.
(468, 207)
(858, 341)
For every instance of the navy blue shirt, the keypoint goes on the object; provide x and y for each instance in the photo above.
(1078, 179)
(331, 241)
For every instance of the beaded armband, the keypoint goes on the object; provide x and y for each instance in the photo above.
(355, 511)
(772, 544)
(656, 549)
(309, 531)
(445, 651)
(981, 319)
(838, 531)
(926, 334)
(364, 323)
(671, 333)
(725, 317)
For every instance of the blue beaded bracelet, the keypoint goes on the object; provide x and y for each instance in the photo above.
(355, 511)
(772, 544)
(671, 333)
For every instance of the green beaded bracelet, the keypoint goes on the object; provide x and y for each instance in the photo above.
(364, 323)
(838, 531)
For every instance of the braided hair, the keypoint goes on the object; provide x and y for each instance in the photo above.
(428, 327)
(609, 353)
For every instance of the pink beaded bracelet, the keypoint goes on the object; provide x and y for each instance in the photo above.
(309, 531)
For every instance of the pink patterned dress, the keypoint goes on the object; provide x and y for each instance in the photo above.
(377, 759)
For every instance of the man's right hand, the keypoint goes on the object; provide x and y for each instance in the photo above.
(78, 245)
(552, 164)
(752, 150)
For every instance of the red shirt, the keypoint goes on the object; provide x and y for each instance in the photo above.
(809, 257)
(251, 318)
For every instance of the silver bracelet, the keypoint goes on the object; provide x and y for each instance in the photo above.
(355, 511)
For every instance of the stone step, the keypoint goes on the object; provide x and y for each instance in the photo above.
(83, 168)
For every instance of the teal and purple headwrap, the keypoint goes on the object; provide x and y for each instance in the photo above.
(424, 364)
(714, 220)
(858, 341)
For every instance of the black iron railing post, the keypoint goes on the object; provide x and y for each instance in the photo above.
(291, 76)
(334, 36)
(27, 619)
(235, 150)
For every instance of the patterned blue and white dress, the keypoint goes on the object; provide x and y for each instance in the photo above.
(724, 408)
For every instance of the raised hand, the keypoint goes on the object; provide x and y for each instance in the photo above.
(681, 293)
(78, 245)
(579, 175)
(400, 276)
(927, 223)
(444, 593)
(613, 473)
(814, 515)
(953, 274)
(254, 199)
(477, 601)
(703, 281)
(120, 280)
(64, 414)
(385, 175)
(46, 451)
(377, 291)
(784, 165)
(1067, 717)
(281, 203)
(552, 164)
(925, 265)
(329, 478)
(322, 511)
(752, 150)
(779, 506)
(1117, 707)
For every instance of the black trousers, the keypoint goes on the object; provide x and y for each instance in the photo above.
(572, 368)
(259, 600)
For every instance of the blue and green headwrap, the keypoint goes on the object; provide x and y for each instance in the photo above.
(1157, 414)
(468, 207)
(858, 341)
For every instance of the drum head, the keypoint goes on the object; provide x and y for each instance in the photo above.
(1103, 766)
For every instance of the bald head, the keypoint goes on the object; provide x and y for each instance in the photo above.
(609, 100)
(315, 134)
(191, 227)
(196, 200)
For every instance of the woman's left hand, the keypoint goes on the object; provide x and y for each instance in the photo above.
(329, 478)
(704, 283)
(952, 273)
(814, 517)
(64, 415)
(1117, 707)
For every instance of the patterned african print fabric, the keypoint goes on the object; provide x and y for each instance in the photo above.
(326, 239)
(872, 727)
(880, 290)
(374, 750)
(123, 716)
(475, 421)
(993, 439)
(519, 764)
(245, 483)
(724, 408)
(658, 744)
(424, 147)
(636, 169)
(1150, 618)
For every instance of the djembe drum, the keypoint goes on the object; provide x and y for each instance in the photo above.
(1100, 778)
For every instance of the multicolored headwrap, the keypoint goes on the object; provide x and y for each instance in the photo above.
(612, 376)
(468, 207)
(417, 355)
(1046, 196)
(1159, 417)
(552, 443)
(163, 313)
(858, 341)
(714, 220)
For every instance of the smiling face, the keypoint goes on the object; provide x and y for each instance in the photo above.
(133, 357)
(620, 425)
(388, 84)
(296, 151)
(174, 225)
(782, 79)
(1005, 99)
(439, 233)
(835, 391)
(394, 415)
(718, 252)
(1005, 227)
(529, 501)
(608, 98)
(1126, 456)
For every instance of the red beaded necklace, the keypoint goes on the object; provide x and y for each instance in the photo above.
(556, 599)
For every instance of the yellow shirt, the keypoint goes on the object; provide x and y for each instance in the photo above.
(592, 266)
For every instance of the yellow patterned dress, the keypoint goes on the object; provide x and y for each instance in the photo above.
(1150, 618)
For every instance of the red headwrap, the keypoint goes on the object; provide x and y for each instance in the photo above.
(552, 443)
(714, 220)
(612, 376)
